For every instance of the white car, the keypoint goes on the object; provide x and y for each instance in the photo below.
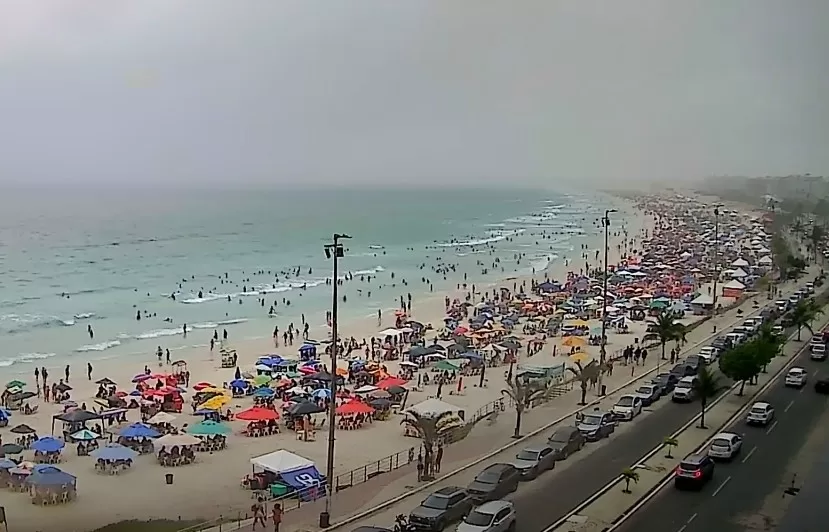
(761, 413)
(710, 354)
(817, 351)
(627, 407)
(796, 377)
(725, 446)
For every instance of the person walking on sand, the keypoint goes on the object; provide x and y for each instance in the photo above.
(276, 516)
(89, 370)
(37, 379)
(66, 372)
(258, 511)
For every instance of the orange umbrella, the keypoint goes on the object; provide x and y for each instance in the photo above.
(257, 413)
(391, 381)
(354, 407)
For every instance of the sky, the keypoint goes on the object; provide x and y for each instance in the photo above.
(414, 92)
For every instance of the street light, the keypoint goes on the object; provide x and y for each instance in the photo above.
(716, 255)
(334, 252)
(606, 225)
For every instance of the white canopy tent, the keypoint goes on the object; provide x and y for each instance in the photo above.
(433, 408)
(390, 332)
(739, 273)
(739, 263)
(703, 300)
(734, 284)
(280, 461)
(765, 260)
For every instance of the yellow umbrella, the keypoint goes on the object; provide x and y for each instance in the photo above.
(215, 403)
(574, 341)
(579, 357)
(213, 390)
(578, 323)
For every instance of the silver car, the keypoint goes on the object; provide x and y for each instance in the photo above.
(493, 516)
(533, 461)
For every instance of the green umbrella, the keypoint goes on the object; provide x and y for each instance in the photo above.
(15, 384)
(445, 365)
(209, 428)
(261, 380)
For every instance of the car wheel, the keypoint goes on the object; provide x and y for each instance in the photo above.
(439, 526)
(511, 527)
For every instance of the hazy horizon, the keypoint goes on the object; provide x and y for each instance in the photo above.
(299, 94)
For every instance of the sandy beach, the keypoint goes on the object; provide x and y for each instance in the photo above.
(212, 485)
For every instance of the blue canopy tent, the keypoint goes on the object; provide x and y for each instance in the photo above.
(114, 452)
(292, 471)
(51, 477)
(263, 393)
(47, 444)
(139, 430)
(240, 384)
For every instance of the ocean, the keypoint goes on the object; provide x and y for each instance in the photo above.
(208, 259)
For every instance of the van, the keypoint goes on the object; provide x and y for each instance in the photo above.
(817, 351)
(736, 338)
(685, 390)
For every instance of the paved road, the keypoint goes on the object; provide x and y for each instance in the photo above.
(739, 487)
(554, 495)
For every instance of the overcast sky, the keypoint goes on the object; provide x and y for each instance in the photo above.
(410, 91)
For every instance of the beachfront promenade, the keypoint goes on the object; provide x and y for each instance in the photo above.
(486, 439)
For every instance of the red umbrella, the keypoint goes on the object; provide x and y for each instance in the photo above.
(461, 330)
(354, 407)
(202, 385)
(257, 413)
(388, 382)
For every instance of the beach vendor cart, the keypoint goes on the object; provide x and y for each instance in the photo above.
(308, 352)
(229, 358)
(180, 372)
(283, 474)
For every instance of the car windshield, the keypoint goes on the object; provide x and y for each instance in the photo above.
(721, 442)
(758, 410)
(436, 502)
(625, 401)
(689, 466)
(527, 455)
(488, 477)
(476, 518)
(561, 436)
(591, 420)
(644, 389)
(683, 384)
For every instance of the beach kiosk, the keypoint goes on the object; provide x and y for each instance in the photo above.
(285, 474)
(733, 288)
(308, 352)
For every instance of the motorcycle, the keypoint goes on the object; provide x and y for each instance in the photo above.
(401, 524)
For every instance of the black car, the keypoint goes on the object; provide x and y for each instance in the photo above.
(596, 425)
(565, 441)
(722, 343)
(822, 385)
(494, 483)
(694, 472)
(666, 382)
(442, 507)
(683, 370)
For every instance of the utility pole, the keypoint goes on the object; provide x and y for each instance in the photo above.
(716, 255)
(335, 252)
(602, 342)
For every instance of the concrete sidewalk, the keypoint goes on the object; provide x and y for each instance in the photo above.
(369, 503)
(652, 472)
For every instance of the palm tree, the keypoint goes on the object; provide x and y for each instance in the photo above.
(523, 394)
(629, 475)
(804, 314)
(430, 429)
(666, 329)
(585, 375)
(768, 344)
(816, 237)
(707, 386)
(670, 443)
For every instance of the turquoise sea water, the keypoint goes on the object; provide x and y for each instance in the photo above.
(72, 259)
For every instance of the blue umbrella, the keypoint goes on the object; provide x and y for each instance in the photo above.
(322, 393)
(50, 477)
(5, 463)
(47, 444)
(114, 452)
(263, 392)
(139, 430)
(5, 414)
(239, 383)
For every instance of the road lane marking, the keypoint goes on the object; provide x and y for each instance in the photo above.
(772, 427)
(749, 454)
(721, 486)
(789, 405)
(688, 522)
(815, 373)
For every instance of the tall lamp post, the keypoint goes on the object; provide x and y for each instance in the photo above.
(335, 252)
(716, 255)
(602, 342)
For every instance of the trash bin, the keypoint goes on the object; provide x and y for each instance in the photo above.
(169, 478)
(603, 390)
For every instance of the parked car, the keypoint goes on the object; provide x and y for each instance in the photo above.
(694, 471)
(822, 385)
(817, 352)
(493, 516)
(796, 377)
(566, 441)
(442, 507)
(685, 390)
(494, 482)
(761, 413)
(725, 446)
(683, 370)
(596, 425)
(533, 461)
(648, 393)
(666, 382)
(627, 407)
(710, 354)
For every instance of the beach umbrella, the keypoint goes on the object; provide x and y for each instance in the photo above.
(380, 404)
(261, 380)
(320, 376)
(51, 477)
(391, 381)
(199, 386)
(139, 430)
(15, 384)
(215, 403)
(264, 393)
(239, 383)
(396, 390)
(114, 452)
(85, 435)
(47, 444)
(321, 393)
(22, 396)
(105, 382)
(23, 429)
(77, 416)
(574, 341)
(176, 440)
(305, 408)
(354, 407)
(62, 387)
(209, 428)
(161, 417)
(257, 413)
(5, 463)
(10, 448)
(141, 377)
(366, 388)
(379, 394)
